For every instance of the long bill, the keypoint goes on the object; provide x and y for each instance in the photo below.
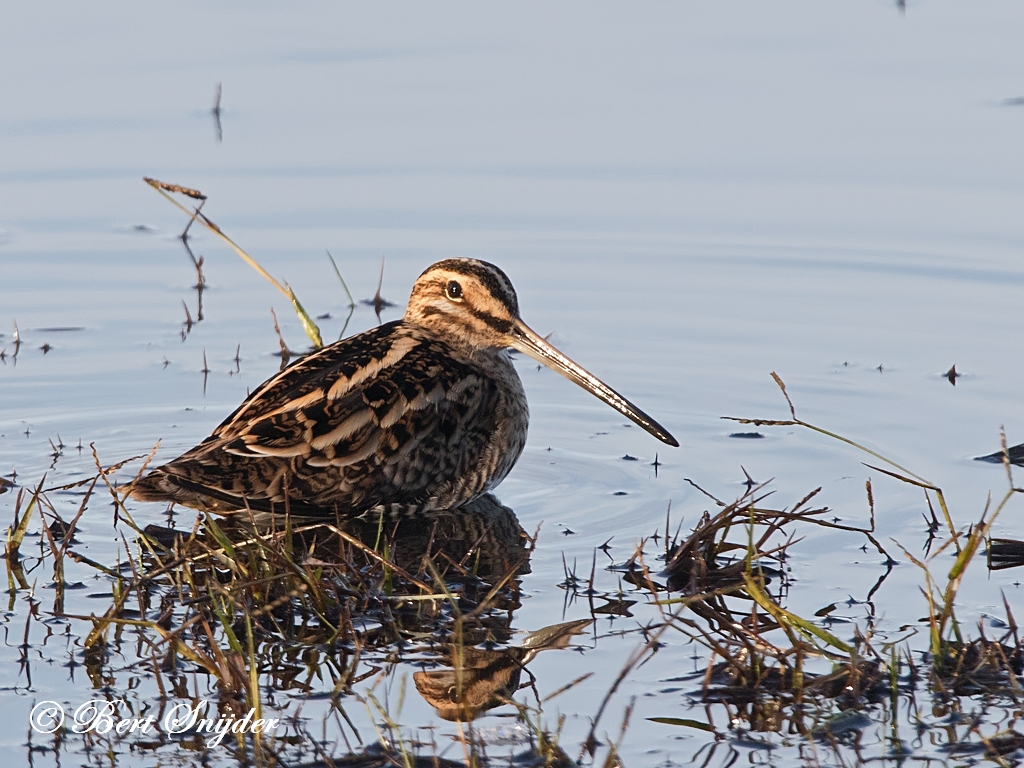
(529, 343)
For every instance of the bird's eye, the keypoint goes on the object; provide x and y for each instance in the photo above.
(453, 291)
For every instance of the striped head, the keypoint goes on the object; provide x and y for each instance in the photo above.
(465, 301)
(472, 304)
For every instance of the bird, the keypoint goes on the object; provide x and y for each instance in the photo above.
(421, 414)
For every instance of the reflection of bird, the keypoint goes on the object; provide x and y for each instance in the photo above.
(480, 679)
(420, 414)
(482, 534)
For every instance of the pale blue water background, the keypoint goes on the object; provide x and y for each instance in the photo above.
(687, 196)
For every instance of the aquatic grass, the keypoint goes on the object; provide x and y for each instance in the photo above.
(290, 607)
(953, 656)
(65, 532)
(15, 536)
(241, 605)
(229, 610)
(200, 285)
(796, 628)
(757, 682)
(284, 353)
(907, 476)
(722, 570)
(749, 661)
(348, 293)
(163, 188)
(708, 559)
(945, 635)
(378, 302)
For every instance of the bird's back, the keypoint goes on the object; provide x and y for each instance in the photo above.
(394, 420)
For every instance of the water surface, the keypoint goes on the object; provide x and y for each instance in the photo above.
(687, 197)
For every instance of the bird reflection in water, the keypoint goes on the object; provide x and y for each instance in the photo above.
(441, 589)
(481, 542)
(368, 579)
(484, 546)
(479, 679)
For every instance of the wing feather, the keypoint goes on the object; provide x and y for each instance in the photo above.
(390, 416)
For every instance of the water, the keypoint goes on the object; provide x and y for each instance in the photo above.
(688, 197)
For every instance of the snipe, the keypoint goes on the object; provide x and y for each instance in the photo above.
(419, 414)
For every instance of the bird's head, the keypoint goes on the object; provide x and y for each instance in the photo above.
(472, 304)
(465, 301)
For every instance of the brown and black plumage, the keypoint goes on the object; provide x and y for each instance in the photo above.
(424, 413)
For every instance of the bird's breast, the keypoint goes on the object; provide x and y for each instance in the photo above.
(511, 417)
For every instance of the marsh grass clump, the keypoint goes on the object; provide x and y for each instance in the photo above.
(721, 548)
(771, 671)
(760, 655)
(731, 575)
